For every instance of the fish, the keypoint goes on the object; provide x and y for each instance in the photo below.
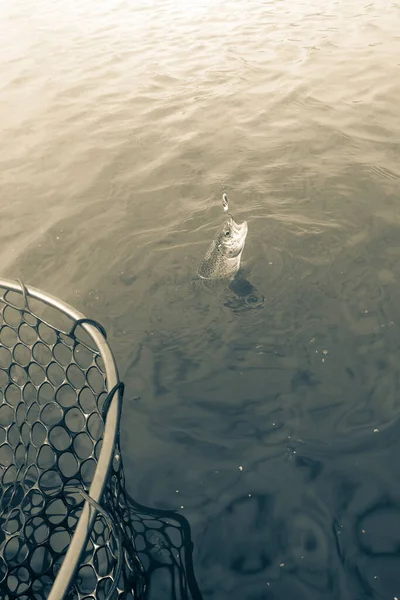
(222, 259)
(225, 202)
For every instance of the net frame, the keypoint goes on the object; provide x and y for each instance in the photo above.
(96, 333)
(137, 542)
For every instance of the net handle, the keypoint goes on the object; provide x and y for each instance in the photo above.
(84, 526)
(114, 530)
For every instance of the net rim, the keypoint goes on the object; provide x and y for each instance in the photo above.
(71, 560)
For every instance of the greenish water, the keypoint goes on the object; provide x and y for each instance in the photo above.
(275, 426)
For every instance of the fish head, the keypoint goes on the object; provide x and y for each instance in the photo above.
(231, 238)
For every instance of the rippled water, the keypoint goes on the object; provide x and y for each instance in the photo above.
(272, 426)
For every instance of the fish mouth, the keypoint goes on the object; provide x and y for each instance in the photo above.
(240, 230)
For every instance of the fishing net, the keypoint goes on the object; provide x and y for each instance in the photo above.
(68, 528)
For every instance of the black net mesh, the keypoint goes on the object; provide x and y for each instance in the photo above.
(160, 540)
(53, 408)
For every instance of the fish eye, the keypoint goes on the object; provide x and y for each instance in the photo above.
(227, 233)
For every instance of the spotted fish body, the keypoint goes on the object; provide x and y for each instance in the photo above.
(222, 259)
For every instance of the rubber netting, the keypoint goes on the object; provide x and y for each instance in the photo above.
(53, 406)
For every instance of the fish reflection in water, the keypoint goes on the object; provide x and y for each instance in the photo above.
(246, 295)
(238, 294)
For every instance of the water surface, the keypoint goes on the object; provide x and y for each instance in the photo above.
(274, 428)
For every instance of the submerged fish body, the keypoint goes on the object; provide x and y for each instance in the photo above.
(222, 258)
